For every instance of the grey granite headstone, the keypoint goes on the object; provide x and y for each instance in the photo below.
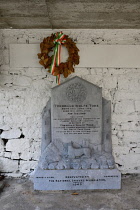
(76, 140)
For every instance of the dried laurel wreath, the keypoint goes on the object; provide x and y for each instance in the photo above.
(46, 60)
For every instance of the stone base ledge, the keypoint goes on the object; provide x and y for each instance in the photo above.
(77, 179)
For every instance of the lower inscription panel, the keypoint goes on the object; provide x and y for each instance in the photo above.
(77, 179)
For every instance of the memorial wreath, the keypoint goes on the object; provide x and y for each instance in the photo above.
(52, 62)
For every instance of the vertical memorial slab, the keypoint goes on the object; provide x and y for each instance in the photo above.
(76, 151)
(76, 110)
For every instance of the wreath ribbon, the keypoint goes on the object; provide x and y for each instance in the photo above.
(58, 41)
(52, 62)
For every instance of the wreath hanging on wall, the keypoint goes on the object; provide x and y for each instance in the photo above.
(54, 43)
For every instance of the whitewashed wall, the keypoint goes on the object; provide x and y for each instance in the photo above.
(25, 91)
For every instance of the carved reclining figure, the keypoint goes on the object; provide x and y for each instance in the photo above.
(78, 152)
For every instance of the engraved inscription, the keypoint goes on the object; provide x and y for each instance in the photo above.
(77, 112)
(76, 92)
(76, 151)
(75, 180)
(76, 120)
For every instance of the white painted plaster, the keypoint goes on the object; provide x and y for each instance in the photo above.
(25, 91)
(116, 56)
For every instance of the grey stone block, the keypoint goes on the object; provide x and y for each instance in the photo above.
(76, 140)
(77, 179)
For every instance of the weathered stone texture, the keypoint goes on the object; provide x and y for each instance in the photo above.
(8, 165)
(70, 14)
(24, 92)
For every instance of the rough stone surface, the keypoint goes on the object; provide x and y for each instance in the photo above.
(21, 106)
(19, 194)
(19, 148)
(8, 165)
(4, 127)
(11, 134)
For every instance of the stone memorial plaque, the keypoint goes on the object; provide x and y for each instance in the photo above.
(77, 112)
(76, 150)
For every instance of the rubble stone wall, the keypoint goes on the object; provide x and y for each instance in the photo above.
(25, 91)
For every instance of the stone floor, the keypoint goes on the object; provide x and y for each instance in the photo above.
(18, 194)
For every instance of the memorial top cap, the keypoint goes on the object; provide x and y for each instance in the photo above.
(75, 80)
